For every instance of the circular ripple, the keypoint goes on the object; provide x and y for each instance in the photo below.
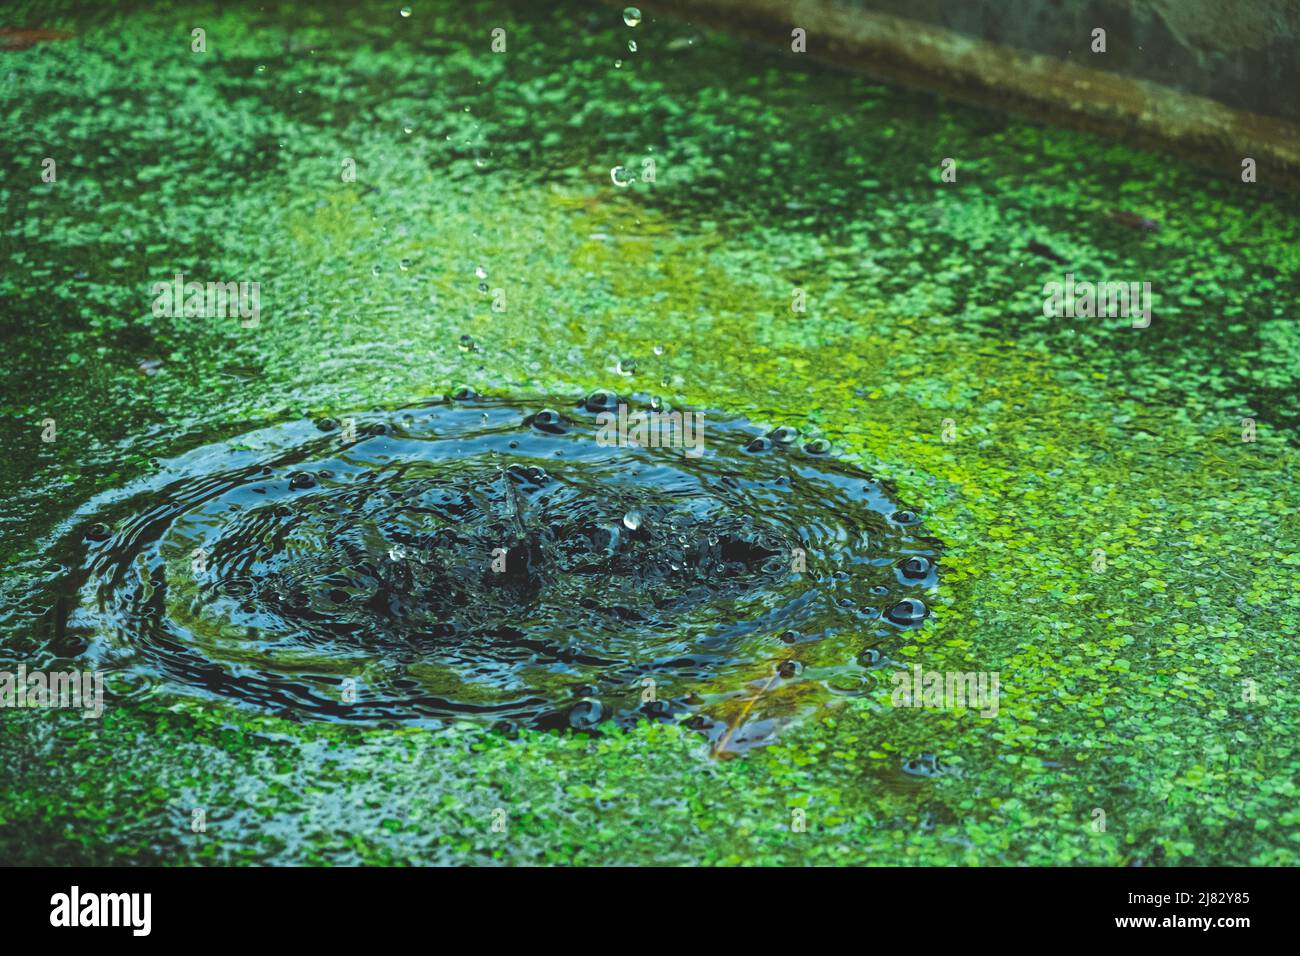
(488, 559)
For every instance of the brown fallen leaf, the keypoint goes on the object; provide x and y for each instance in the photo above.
(1132, 220)
(721, 746)
(14, 39)
(1040, 249)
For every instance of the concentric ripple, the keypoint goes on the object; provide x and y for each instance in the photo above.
(498, 560)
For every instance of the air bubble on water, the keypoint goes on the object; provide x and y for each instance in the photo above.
(98, 532)
(916, 568)
(549, 420)
(625, 366)
(632, 520)
(631, 16)
(909, 611)
(602, 400)
(586, 714)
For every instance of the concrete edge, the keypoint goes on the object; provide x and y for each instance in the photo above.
(1130, 110)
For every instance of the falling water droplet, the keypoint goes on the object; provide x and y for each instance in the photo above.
(406, 11)
(631, 45)
(631, 16)
(632, 520)
(659, 350)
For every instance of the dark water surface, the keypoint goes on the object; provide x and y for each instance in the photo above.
(495, 560)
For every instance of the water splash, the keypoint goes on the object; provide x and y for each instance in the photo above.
(489, 559)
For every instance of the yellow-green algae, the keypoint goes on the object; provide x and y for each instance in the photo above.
(1122, 690)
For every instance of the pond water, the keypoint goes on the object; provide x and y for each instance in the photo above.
(1109, 513)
